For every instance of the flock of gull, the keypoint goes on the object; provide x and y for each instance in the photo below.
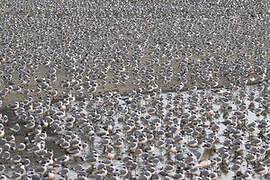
(134, 90)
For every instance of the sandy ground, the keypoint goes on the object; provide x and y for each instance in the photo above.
(253, 36)
(249, 29)
(123, 87)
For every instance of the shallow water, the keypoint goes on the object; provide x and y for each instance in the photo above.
(88, 114)
(251, 117)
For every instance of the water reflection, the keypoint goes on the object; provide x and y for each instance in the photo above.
(212, 128)
(194, 134)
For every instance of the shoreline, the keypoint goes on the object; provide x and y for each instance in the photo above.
(123, 93)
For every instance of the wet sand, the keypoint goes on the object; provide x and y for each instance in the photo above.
(211, 43)
(208, 46)
(123, 88)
